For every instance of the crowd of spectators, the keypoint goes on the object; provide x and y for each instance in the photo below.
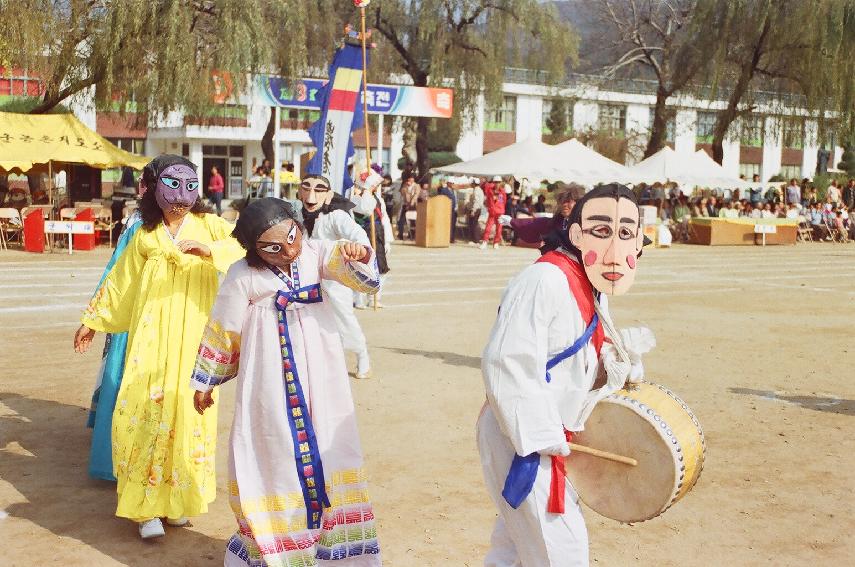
(826, 214)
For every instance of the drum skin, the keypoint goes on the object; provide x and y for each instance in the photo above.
(650, 424)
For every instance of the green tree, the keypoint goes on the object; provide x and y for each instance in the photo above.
(787, 52)
(670, 41)
(556, 121)
(162, 54)
(467, 43)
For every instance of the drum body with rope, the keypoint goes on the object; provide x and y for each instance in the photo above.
(646, 422)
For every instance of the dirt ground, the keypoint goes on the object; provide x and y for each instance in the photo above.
(757, 341)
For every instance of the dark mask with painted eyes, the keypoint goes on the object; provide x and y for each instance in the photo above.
(177, 189)
(281, 244)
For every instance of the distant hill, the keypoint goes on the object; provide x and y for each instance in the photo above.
(595, 37)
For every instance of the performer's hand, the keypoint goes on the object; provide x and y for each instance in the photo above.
(202, 401)
(559, 450)
(355, 252)
(617, 371)
(505, 220)
(637, 341)
(194, 248)
(83, 339)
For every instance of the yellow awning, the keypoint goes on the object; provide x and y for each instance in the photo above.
(30, 139)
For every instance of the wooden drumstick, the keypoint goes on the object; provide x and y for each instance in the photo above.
(603, 454)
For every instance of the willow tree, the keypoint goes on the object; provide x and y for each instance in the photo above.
(669, 41)
(467, 44)
(161, 54)
(780, 48)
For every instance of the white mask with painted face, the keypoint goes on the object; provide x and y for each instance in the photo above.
(610, 240)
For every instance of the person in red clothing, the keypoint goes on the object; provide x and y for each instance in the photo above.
(215, 190)
(495, 200)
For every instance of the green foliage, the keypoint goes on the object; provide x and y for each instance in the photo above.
(439, 159)
(25, 105)
(163, 54)
(443, 135)
(467, 44)
(847, 160)
(556, 121)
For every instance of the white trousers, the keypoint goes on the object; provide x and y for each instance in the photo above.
(528, 536)
(341, 298)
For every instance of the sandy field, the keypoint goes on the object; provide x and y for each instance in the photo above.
(758, 341)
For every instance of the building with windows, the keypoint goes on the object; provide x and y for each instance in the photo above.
(779, 138)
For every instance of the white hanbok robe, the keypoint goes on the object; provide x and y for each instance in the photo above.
(339, 225)
(525, 414)
(266, 490)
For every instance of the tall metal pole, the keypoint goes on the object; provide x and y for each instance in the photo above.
(367, 133)
(277, 188)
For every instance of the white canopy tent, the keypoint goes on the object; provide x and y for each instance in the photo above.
(697, 169)
(529, 158)
(577, 162)
(567, 161)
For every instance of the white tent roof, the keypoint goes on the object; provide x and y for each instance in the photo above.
(581, 164)
(568, 161)
(529, 158)
(694, 169)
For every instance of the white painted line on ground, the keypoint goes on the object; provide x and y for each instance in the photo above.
(36, 308)
(81, 284)
(52, 295)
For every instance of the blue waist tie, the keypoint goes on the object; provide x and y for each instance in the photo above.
(521, 477)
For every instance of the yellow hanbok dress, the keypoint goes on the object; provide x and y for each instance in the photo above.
(163, 450)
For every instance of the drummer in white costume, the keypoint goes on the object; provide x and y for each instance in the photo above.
(326, 216)
(544, 353)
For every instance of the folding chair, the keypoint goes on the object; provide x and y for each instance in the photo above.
(104, 222)
(10, 224)
(805, 232)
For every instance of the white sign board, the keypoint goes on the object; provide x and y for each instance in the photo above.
(765, 229)
(69, 227)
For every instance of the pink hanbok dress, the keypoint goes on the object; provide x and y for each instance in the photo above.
(297, 484)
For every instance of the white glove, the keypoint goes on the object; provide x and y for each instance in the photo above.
(617, 371)
(559, 450)
(505, 220)
(637, 341)
(387, 247)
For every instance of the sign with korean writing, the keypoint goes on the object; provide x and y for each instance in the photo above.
(69, 227)
(765, 229)
(397, 100)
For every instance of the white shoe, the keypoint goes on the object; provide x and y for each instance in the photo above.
(151, 529)
(178, 522)
(483, 245)
(495, 246)
(363, 365)
(360, 306)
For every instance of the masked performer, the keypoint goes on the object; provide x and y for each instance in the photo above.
(326, 216)
(161, 291)
(371, 200)
(109, 376)
(544, 353)
(297, 486)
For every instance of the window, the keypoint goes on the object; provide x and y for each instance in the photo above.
(502, 118)
(566, 116)
(236, 151)
(670, 123)
(706, 125)
(793, 132)
(215, 150)
(220, 115)
(612, 119)
(133, 145)
(791, 172)
(185, 150)
(752, 131)
(302, 117)
(749, 170)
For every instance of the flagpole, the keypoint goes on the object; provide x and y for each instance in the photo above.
(367, 133)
